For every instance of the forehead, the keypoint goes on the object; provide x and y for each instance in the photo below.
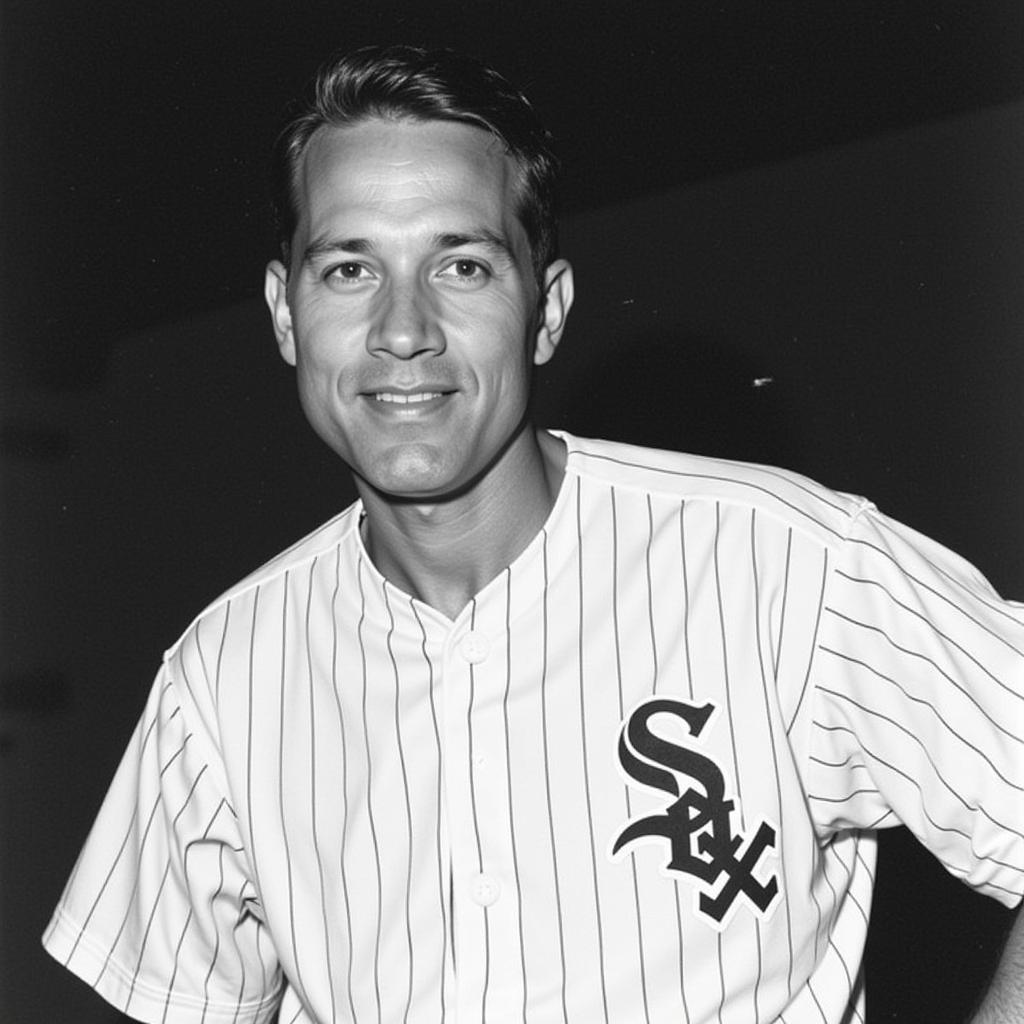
(400, 171)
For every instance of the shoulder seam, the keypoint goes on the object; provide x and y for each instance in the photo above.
(256, 579)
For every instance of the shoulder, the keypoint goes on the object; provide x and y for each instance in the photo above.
(790, 497)
(338, 532)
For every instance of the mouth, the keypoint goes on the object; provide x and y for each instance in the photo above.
(402, 398)
(404, 404)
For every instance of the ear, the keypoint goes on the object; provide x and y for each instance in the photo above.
(275, 290)
(554, 309)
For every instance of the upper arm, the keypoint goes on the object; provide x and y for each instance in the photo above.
(919, 705)
(158, 915)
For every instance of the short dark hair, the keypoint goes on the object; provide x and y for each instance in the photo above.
(422, 85)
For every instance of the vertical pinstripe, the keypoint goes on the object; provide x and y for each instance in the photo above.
(512, 830)
(777, 651)
(766, 685)
(725, 657)
(241, 978)
(545, 624)
(584, 759)
(317, 855)
(325, 769)
(689, 692)
(686, 598)
(716, 551)
(250, 745)
(369, 787)
(217, 939)
(759, 648)
(243, 973)
(220, 649)
(405, 792)
(344, 754)
(650, 592)
(476, 823)
(817, 624)
(622, 714)
(283, 690)
(443, 906)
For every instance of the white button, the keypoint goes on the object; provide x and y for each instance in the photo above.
(474, 648)
(484, 890)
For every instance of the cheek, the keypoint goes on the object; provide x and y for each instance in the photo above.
(492, 313)
(324, 360)
(499, 344)
(320, 389)
(325, 332)
(312, 398)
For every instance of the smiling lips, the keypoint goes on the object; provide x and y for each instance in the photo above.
(401, 398)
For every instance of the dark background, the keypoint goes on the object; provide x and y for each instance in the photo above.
(798, 237)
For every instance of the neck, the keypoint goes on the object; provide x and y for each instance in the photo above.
(444, 552)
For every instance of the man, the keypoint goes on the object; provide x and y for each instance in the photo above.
(540, 729)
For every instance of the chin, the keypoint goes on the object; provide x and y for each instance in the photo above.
(415, 472)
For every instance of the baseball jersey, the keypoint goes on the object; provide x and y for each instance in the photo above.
(637, 778)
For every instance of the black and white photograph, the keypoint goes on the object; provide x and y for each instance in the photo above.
(512, 513)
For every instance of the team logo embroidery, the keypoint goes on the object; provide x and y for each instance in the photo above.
(698, 824)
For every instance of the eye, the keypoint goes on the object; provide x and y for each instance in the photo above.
(346, 273)
(466, 271)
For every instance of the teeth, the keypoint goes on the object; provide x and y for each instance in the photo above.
(421, 396)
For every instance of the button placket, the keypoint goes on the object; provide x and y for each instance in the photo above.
(474, 890)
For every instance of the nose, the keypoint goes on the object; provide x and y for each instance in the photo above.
(404, 323)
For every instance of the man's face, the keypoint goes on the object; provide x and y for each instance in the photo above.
(410, 309)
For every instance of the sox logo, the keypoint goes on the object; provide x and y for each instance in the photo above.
(698, 824)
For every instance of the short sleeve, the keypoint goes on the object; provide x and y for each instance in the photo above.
(918, 685)
(160, 916)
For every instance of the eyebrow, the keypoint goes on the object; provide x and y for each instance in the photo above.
(320, 248)
(483, 236)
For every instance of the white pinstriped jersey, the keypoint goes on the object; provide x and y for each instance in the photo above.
(635, 780)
